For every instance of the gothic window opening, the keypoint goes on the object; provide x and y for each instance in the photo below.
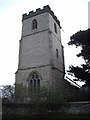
(34, 24)
(31, 81)
(55, 28)
(34, 80)
(38, 82)
(57, 55)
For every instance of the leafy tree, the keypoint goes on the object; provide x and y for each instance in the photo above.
(81, 39)
(7, 93)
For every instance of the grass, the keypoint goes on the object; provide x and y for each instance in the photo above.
(50, 116)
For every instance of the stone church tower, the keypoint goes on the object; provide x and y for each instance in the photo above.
(41, 57)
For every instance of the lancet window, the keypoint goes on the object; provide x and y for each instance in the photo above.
(55, 28)
(35, 80)
(34, 24)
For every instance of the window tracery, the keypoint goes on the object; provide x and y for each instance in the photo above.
(35, 80)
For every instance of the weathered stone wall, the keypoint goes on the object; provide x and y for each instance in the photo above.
(44, 71)
(27, 110)
(38, 51)
(34, 50)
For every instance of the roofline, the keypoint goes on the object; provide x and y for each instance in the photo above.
(74, 83)
(40, 11)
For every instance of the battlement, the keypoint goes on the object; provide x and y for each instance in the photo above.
(40, 11)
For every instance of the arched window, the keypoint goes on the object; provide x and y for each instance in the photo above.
(34, 79)
(55, 28)
(57, 55)
(34, 24)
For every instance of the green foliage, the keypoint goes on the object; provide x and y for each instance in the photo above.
(48, 99)
(79, 72)
(43, 96)
(20, 93)
(81, 39)
(50, 95)
(8, 93)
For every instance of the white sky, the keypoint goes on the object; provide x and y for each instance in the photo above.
(73, 15)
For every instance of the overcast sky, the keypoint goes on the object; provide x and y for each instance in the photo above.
(73, 16)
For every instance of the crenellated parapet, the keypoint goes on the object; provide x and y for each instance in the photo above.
(40, 11)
